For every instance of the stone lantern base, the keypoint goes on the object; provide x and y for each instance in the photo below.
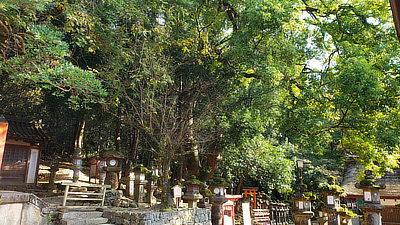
(372, 214)
(192, 199)
(302, 218)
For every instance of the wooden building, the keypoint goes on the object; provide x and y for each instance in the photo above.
(390, 196)
(20, 152)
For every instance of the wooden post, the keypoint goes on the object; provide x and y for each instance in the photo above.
(65, 195)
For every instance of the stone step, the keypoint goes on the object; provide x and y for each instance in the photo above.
(92, 221)
(81, 215)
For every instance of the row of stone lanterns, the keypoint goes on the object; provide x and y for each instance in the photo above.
(332, 213)
(136, 182)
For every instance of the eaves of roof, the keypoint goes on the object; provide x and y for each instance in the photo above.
(25, 130)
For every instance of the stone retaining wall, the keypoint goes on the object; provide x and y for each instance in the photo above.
(184, 217)
(22, 208)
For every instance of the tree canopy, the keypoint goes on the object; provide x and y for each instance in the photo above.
(192, 85)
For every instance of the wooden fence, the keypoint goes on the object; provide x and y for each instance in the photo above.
(390, 215)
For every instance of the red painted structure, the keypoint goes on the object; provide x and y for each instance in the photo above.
(253, 193)
(229, 209)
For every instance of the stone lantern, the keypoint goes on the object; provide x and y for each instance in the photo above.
(152, 177)
(322, 217)
(372, 203)
(129, 179)
(217, 187)
(302, 209)
(192, 194)
(112, 168)
(301, 204)
(207, 194)
(332, 195)
(140, 182)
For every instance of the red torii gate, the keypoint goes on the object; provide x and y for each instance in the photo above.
(253, 193)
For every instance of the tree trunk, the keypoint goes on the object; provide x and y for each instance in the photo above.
(193, 159)
(240, 184)
(179, 170)
(78, 135)
(118, 131)
(166, 192)
(212, 157)
(77, 150)
(134, 145)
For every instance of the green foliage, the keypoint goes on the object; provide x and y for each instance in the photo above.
(261, 161)
(193, 74)
(332, 188)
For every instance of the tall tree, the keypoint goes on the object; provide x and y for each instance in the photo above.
(352, 102)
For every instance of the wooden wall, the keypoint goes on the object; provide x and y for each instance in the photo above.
(391, 215)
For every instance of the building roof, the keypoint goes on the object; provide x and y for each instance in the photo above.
(391, 180)
(25, 130)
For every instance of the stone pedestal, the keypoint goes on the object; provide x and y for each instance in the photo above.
(52, 178)
(130, 182)
(333, 218)
(302, 218)
(112, 176)
(322, 221)
(216, 209)
(150, 187)
(346, 220)
(140, 182)
(372, 214)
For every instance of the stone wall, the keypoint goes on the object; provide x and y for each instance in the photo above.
(184, 217)
(22, 208)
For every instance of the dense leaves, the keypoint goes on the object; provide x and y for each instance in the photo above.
(177, 84)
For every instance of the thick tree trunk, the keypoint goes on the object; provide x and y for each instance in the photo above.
(213, 156)
(166, 192)
(193, 161)
(192, 158)
(78, 135)
(77, 149)
(240, 184)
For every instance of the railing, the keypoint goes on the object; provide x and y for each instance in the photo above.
(84, 196)
(279, 214)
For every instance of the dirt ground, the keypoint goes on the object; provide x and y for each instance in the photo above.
(64, 173)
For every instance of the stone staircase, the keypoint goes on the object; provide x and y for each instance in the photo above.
(82, 217)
